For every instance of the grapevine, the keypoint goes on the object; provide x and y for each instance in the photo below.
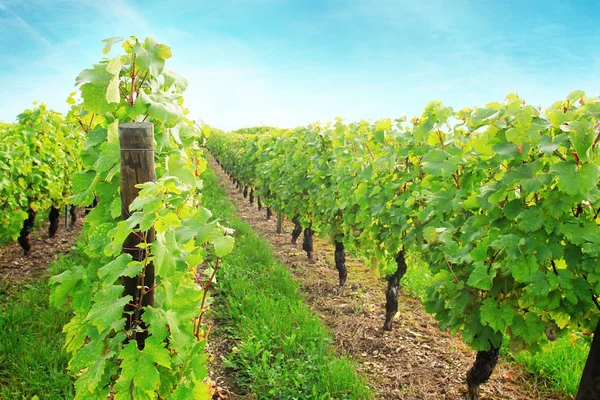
(121, 346)
(38, 156)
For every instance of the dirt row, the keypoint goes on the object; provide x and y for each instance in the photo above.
(413, 362)
(15, 267)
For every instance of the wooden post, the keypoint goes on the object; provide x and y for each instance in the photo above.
(137, 166)
(279, 222)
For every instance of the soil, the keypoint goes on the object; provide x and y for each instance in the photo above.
(222, 380)
(415, 361)
(14, 266)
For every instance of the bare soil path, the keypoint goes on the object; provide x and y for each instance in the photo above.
(14, 266)
(413, 362)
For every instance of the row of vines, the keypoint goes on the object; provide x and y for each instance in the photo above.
(38, 156)
(501, 201)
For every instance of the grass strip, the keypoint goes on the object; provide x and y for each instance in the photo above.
(283, 351)
(32, 359)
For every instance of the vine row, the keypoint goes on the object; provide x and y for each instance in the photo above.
(501, 201)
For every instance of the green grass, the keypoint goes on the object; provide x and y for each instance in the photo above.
(282, 350)
(417, 277)
(560, 364)
(32, 361)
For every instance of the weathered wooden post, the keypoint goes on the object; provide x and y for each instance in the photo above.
(279, 222)
(137, 166)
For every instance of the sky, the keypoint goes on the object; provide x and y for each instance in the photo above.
(290, 63)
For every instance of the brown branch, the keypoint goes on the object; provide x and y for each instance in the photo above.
(369, 150)
(557, 154)
(456, 179)
(205, 287)
(144, 291)
(137, 92)
(439, 135)
(493, 258)
(132, 80)
(208, 331)
(492, 175)
(91, 121)
(124, 94)
(596, 140)
(141, 279)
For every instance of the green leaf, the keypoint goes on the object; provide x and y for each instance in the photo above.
(531, 220)
(480, 278)
(178, 166)
(110, 42)
(139, 366)
(522, 270)
(94, 87)
(164, 261)
(383, 124)
(204, 232)
(64, 285)
(576, 95)
(566, 173)
(361, 191)
(530, 328)
(497, 316)
(156, 318)
(156, 352)
(588, 177)
(479, 253)
(113, 95)
(164, 51)
(167, 221)
(108, 308)
(115, 65)
(223, 245)
(583, 138)
(148, 57)
(439, 162)
(163, 106)
(180, 83)
(110, 155)
(121, 266)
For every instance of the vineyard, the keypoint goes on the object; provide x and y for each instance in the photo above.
(167, 291)
(38, 156)
(500, 202)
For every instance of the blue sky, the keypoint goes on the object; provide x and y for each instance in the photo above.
(287, 63)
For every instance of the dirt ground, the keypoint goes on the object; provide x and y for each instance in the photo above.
(415, 361)
(14, 266)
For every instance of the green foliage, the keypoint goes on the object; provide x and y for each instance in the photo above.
(501, 202)
(101, 337)
(282, 351)
(38, 156)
